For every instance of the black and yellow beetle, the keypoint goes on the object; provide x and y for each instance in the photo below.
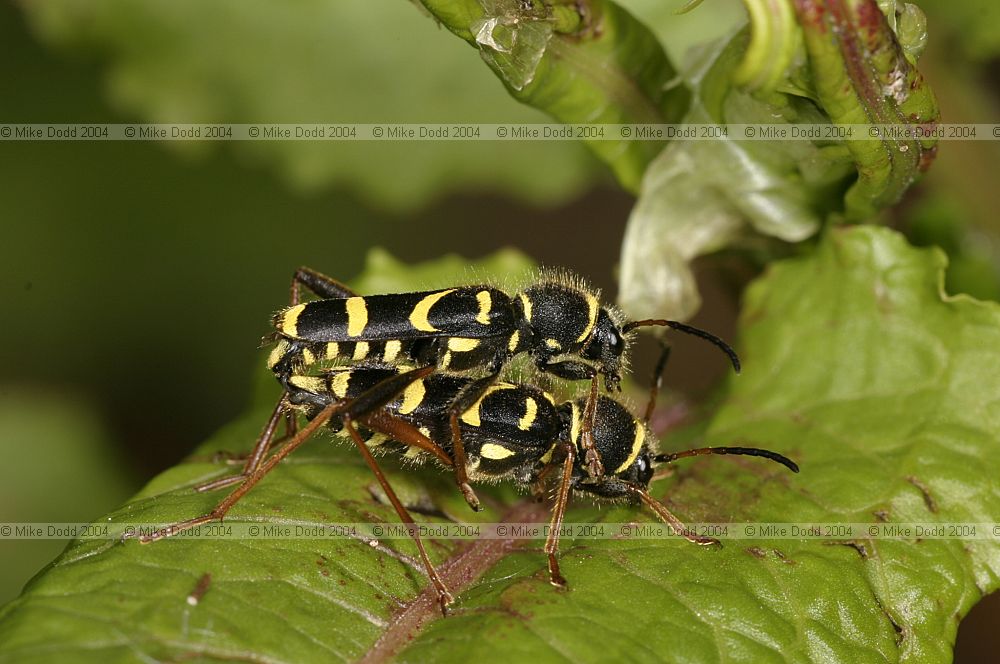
(558, 320)
(461, 328)
(513, 432)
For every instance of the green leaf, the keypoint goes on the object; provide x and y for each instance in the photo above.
(829, 62)
(680, 32)
(862, 74)
(774, 44)
(239, 61)
(974, 27)
(603, 66)
(855, 364)
(698, 195)
(887, 386)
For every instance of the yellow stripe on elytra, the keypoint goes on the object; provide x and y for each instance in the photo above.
(495, 452)
(392, 349)
(360, 350)
(357, 316)
(574, 430)
(277, 353)
(339, 382)
(418, 317)
(462, 344)
(308, 383)
(591, 317)
(531, 410)
(290, 320)
(412, 397)
(471, 416)
(515, 339)
(640, 436)
(485, 304)
(526, 304)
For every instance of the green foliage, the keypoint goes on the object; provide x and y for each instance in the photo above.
(855, 364)
(794, 64)
(862, 73)
(789, 67)
(317, 62)
(607, 68)
(698, 196)
(974, 25)
(69, 450)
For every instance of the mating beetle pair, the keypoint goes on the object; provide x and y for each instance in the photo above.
(461, 329)
(474, 424)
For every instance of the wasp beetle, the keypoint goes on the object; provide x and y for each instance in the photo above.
(463, 327)
(513, 432)
(558, 320)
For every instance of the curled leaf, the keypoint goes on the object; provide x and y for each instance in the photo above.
(603, 67)
(775, 41)
(862, 76)
(831, 62)
(699, 196)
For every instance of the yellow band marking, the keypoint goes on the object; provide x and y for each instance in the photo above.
(339, 382)
(308, 383)
(640, 436)
(531, 410)
(357, 316)
(547, 457)
(471, 416)
(446, 360)
(553, 344)
(515, 339)
(332, 350)
(412, 397)
(574, 430)
(376, 440)
(290, 320)
(462, 344)
(526, 304)
(551, 399)
(495, 452)
(591, 317)
(277, 353)
(418, 317)
(485, 304)
(360, 350)
(307, 356)
(392, 349)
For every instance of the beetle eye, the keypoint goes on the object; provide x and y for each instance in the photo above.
(644, 469)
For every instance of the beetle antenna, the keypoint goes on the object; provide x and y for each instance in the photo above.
(666, 516)
(687, 329)
(746, 451)
(656, 382)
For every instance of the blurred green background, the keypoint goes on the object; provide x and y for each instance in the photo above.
(138, 278)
